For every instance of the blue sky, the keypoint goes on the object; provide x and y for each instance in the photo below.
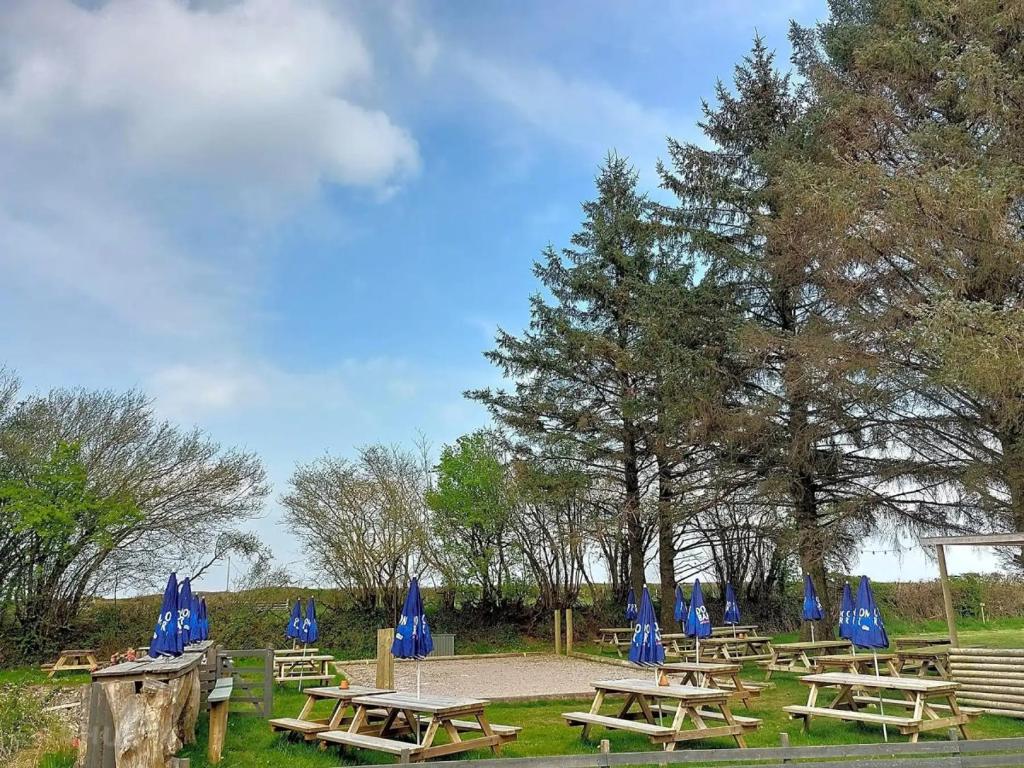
(297, 223)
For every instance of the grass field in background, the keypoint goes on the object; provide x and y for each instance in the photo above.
(250, 744)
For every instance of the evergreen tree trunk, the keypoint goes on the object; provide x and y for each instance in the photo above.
(1012, 443)
(634, 524)
(666, 543)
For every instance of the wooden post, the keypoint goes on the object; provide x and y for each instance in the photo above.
(385, 661)
(568, 631)
(784, 743)
(947, 595)
(268, 683)
(558, 633)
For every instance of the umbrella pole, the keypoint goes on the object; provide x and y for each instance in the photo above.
(812, 631)
(881, 705)
(417, 696)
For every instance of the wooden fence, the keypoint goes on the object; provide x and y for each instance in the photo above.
(991, 679)
(253, 683)
(982, 753)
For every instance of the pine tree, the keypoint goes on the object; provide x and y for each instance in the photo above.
(920, 105)
(580, 389)
(806, 422)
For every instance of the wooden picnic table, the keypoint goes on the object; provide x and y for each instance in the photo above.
(616, 637)
(857, 663)
(74, 660)
(303, 667)
(678, 644)
(799, 657)
(722, 675)
(919, 641)
(309, 727)
(727, 648)
(855, 693)
(406, 714)
(693, 705)
(924, 660)
(737, 630)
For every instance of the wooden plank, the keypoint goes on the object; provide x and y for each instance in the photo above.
(366, 741)
(801, 710)
(617, 723)
(913, 684)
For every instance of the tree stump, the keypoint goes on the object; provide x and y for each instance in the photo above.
(153, 722)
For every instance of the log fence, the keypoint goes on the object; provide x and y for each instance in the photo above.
(991, 679)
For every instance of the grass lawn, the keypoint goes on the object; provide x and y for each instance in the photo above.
(250, 744)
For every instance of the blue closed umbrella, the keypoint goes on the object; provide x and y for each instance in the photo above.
(412, 635)
(698, 622)
(631, 610)
(185, 611)
(732, 608)
(166, 639)
(868, 631)
(294, 622)
(646, 648)
(204, 622)
(310, 630)
(812, 605)
(680, 607)
(846, 613)
(196, 619)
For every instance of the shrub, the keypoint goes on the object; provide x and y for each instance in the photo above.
(22, 722)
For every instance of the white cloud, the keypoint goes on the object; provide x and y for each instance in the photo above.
(259, 91)
(148, 148)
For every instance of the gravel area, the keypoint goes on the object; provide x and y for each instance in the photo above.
(506, 678)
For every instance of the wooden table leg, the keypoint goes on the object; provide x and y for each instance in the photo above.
(485, 726)
(307, 707)
(741, 742)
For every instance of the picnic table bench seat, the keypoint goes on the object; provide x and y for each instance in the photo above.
(848, 714)
(616, 723)
(368, 741)
(219, 700)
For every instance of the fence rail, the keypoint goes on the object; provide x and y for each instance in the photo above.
(260, 691)
(955, 753)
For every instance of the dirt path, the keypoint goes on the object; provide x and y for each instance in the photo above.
(519, 677)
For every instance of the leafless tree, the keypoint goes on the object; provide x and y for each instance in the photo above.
(362, 521)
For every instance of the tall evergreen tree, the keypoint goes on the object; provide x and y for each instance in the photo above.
(807, 420)
(580, 386)
(920, 105)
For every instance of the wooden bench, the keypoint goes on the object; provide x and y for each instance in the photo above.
(219, 701)
(801, 710)
(615, 723)
(366, 741)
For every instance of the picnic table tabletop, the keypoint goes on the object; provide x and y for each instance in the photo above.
(924, 659)
(309, 727)
(402, 717)
(616, 630)
(932, 704)
(813, 645)
(800, 657)
(162, 666)
(737, 628)
(739, 648)
(858, 663)
(694, 706)
(918, 641)
(714, 674)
